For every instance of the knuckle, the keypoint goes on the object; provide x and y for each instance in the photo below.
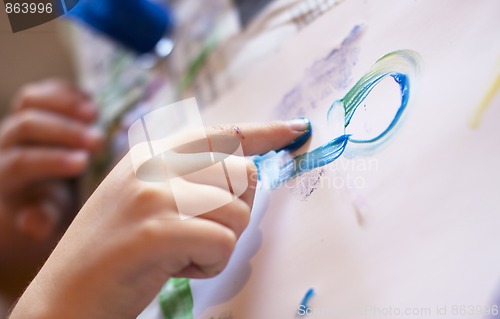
(151, 196)
(225, 241)
(145, 194)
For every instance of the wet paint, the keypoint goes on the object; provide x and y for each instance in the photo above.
(402, 66)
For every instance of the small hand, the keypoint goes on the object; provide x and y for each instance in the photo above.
(46, 139)
(128, 239)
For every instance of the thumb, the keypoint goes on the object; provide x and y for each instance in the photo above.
(260, 138)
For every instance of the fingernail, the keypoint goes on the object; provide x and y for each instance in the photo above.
(92, 136)
(77, 158)
(301, 125)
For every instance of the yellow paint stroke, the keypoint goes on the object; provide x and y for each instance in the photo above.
(490, 94)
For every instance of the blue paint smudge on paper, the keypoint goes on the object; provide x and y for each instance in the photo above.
(305, 301)
(304, 310)
(319, 157)
(402, 66)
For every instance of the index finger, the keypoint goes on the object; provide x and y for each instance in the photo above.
(260, 138)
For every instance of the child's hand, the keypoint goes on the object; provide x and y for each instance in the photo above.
(46, 139)
(128, 239)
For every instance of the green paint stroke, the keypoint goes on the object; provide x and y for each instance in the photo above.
(176, 300)
(403, 66)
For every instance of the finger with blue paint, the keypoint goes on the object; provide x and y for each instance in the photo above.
(129, 239)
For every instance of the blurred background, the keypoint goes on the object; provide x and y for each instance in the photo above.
(20, 65)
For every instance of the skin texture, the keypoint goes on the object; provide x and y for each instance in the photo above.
(45, 142)
(128, 239)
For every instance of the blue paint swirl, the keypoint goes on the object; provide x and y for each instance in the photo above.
(402, 66)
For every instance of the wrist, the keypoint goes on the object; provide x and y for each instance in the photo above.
(43, 301)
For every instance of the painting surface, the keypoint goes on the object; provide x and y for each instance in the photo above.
(404, 213)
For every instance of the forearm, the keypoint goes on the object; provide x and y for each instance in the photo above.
(45, 301)
(33, 304)
(72, 286)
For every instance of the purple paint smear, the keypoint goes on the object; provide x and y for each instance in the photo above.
(327, 77)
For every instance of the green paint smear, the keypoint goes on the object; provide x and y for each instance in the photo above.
(176, 300)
